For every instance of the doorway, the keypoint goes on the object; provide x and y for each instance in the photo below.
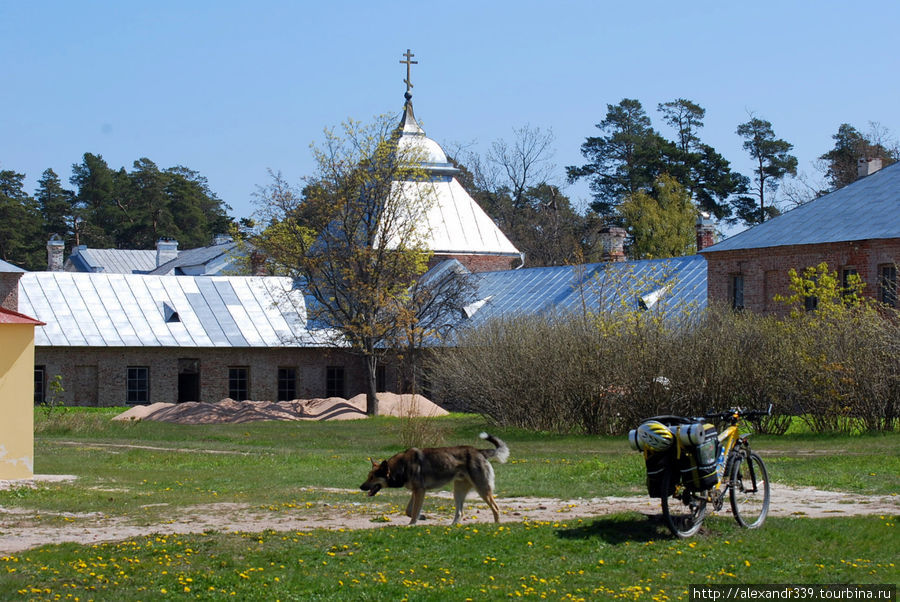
(188, 380)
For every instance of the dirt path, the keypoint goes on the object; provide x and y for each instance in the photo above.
(22, 529)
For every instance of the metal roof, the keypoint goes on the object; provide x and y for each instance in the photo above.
(203, 260)
(6, 267)
(8, 316)
(668, 286)
(112, 261)
(137, 310)
(867, 209)
(455, 223)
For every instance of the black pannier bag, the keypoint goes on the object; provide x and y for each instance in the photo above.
(697, 461)
(658, 463)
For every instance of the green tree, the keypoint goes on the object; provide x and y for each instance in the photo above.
(773, 162)
(21, 226)
(705, 173)
(626, 159)
(632, 155)
(98, 193)
(58, 210)
(662, 223)
(840, 163)
(132, 210)
(354, 236)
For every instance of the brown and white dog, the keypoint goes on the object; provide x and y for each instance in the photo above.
(422, 469)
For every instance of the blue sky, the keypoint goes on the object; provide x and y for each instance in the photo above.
(231, 89)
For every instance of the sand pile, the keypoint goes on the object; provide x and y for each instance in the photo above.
(229, 411)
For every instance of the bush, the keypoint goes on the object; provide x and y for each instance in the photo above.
(603, 374)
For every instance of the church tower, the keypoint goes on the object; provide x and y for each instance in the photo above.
(458, 227)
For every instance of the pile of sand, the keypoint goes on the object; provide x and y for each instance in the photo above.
(229, 411)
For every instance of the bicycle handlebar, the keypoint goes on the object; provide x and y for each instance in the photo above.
(735, 413)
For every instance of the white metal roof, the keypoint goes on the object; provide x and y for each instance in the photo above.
(137, 310)
(456, 224)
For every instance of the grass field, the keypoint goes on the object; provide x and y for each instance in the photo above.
(122, 468)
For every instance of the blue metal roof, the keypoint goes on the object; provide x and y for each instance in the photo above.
(867, 209)
(200, 261)
(668, 286)
(112, 261)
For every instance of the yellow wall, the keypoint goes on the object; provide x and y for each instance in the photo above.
(16, 401)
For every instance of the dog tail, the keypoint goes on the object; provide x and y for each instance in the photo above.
(502, 451)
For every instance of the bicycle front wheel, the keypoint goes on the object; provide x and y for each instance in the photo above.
(682, 511)
(749, 491)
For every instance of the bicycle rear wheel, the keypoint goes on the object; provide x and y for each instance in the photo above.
(749, 491)
(682, 511)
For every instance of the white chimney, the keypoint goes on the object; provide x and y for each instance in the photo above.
(866, 167)
(166, 250)
(55, 248)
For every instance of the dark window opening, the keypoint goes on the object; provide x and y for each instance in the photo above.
(887, 285)
(849, 278)
(239, 383)
(737, 291)
(287, 384)
(334, 381)
(138, 385)
(40, 384)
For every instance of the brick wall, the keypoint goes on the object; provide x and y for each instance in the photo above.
(765, 271)
(9, 290)
(480, 263)
(77, 365)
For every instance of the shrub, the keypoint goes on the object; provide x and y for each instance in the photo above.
(839, 369)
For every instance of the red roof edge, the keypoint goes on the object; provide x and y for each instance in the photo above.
(8, 316)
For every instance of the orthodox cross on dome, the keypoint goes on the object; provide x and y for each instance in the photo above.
(408, 62)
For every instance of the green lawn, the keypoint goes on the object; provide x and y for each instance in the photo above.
(271, 464)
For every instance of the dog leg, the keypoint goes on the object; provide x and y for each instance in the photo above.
(493, 504)
(460, 491)
(414, 509)
(409, 509)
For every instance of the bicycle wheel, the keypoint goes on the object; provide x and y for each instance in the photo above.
(749, 491)
(682, 511)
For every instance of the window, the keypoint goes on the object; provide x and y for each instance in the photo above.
(849, 277)
(334, 381)
(40, 385)
(737, 291)
(137, 384)
(287, 384)
(887, 284)
(239, 383)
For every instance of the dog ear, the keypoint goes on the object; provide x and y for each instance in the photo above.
(374, 463)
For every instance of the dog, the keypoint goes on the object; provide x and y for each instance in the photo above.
(422, 469)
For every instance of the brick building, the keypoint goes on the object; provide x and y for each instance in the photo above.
(855, 230)
(119, 339)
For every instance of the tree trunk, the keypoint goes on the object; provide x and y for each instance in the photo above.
(371, 389)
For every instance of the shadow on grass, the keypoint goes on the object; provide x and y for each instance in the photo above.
(619, 529)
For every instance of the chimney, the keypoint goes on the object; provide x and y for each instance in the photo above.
(706, 231)
(866, 167)
(166, 250)
(9, 286)
(612, 243)
(55, 248)
(257, 263)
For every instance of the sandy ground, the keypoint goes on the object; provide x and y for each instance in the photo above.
(236, 412)
(23, 529)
